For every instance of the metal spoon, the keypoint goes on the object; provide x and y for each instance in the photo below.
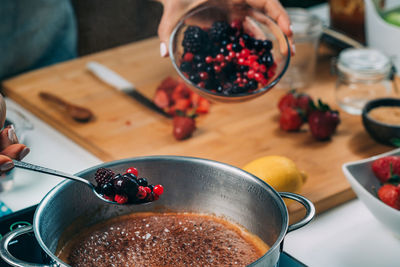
(78, 113)
(36, 168)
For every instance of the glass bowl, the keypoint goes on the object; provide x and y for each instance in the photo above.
(254, 24)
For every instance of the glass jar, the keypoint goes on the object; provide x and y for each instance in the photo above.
(363, 75)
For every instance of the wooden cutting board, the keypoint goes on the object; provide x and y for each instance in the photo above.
(230, 133)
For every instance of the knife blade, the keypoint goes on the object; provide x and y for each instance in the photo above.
(115, 80)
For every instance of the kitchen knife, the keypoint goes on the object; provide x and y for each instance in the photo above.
(113, 79)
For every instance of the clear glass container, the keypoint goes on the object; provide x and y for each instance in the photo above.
(307, 30)
(363, 75)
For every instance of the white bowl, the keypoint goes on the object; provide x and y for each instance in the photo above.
(365, 185)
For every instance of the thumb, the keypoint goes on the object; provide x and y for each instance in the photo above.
(169, 19)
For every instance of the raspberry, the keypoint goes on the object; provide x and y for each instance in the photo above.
(103, 176)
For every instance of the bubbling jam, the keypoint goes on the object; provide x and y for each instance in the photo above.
(163, 239)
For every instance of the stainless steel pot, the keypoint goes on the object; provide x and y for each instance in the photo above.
(191, 184)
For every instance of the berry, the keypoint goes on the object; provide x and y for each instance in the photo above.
(142, 181)
(194, 39)
(147, 189)
(131, 185)
(224, 52)
(323, 121)
(183, 127)
(291, 119)
(386, 168)
(220, 30)
(107, 189)
(132, 170)
(121, 199)
(119, 183)
(188, 57)
(109, 198)
(103, 176)
(161, 99)
(158, 190)
(390, 195)
(141, 194)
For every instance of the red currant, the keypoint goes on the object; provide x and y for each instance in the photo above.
(250, 74)
(132, 170)
(203, 75)
(188, 57)
(158, 190)
(220, 57)
(209, 59)
(121, 199)
(217, 68)
(141, 194)
(232, 54)
(241, 61)
(201, 84)
(245, 52)
(147, 189)
(109, 198)
(229, 47)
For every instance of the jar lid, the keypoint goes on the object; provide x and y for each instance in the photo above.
(364, 62)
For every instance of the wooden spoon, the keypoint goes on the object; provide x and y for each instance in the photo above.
(78, 113)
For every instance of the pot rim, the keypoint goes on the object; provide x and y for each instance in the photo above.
(48, 197)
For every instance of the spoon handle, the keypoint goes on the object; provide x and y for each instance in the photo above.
(36, 168)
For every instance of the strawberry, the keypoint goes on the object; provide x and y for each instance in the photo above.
(183, 126)
(180, 104)
(161, 99)
(295, 100)
(203, 106)
(288, 100)
(390, 195)
(291, 119)
(303, 102)
(322, 120)
(386, 168)
(168, 85)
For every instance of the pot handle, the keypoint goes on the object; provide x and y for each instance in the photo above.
(10, 259)
(310, 210)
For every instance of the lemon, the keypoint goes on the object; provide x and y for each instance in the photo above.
(279, 172)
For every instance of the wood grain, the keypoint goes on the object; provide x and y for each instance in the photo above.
(230, 133)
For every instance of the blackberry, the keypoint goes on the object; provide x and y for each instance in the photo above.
(103, 176)
(194, 39)
(186, 66)
(220, 31)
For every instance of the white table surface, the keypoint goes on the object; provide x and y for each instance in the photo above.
(347, 235)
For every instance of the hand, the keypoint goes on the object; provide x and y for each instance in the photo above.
(10, 149)
(174, 9)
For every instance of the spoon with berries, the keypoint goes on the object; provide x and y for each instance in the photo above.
(120, 189)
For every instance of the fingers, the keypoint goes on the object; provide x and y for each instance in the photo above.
(173, 12)
(275, 10)
(8, 137)
(6, 163)
(169, 19)
(15, 151)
